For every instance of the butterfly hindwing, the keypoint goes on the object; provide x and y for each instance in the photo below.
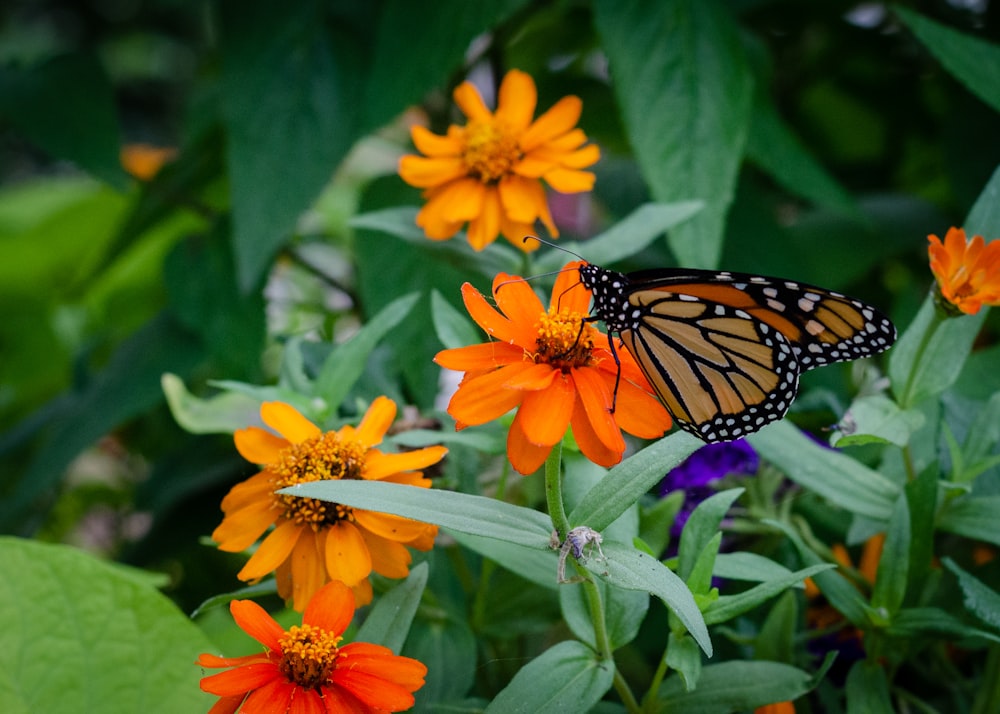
(724, 350)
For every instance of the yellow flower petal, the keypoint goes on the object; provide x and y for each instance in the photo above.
(523, 199)
(389, 558)
(287, 421)
(241, 529)
(379, 465)
(570, 181)
(386, 525)
(484, 228)
(272, 551)
(516, 100)
(376, 422)
(346, 555)
(259, 446)
(308, 573)
(561, 118)
(425, 173)
(431, 144)
(471, 103)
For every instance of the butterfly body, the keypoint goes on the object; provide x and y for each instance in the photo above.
(724, 350)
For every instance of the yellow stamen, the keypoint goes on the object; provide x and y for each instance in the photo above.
(491, 150)
(309, 655)
(322, 458)
(564, 339)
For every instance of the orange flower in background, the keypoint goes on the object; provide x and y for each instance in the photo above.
(315, 541)
(967, 272)
(144, 161)
(307, 669)
(557, 370)
(487, 173)
(776, 708)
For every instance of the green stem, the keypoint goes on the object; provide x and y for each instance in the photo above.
(654, 685)
(937, 318)
(553, 492)
(988, 697)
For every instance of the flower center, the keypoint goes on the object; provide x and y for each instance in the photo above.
(308, 655)
(491, 150)
(564, 339)
(321, 458)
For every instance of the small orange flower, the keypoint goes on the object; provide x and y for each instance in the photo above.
(306, 669)
(776, 708)
(315, 541)
(487, 173)
(555, 368)
(967, 272)
(144, 161)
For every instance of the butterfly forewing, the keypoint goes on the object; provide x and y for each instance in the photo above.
(724, 350)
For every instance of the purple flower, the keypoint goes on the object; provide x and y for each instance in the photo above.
(702, 469)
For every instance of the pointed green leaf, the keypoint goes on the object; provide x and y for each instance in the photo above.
(744, 565)
(729, 606)
(973, 517)
(221, 414)
(702, 526)
(978, 597)
(735, 687)
(566, 677)
(388, 622)
(922, 621)
(877, 419)
(684, 657)
(894, 566)
(868, 689)
(685, 104)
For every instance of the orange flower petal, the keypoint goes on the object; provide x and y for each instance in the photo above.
(461, 200)
(569, 293)
(484, 228)
(485, 315)
(389, 558)
(516, 100)
(381, 662)
(305, 701)
(516, 232)
(570, 181)
(241, 529)
(215, 662)
(288, 421)
(544, 415)
(533, 378)
(241, 680)
(274, 696)
(273, 551)
(595, 396)
(431, 144)
(346, 555)
(525, 457)
(435, 226)
(518, 301)
(386, 525)
(482, 398)
(562, 117)
(331, 608)
(379, 465)
(523, 199)
(245, 493)
(372, 690)
(376, 422)
(340, 701)
(254, 620)
(471, 103)
(589, 442)
(483, 357)
(308, 572)
(259, 446)
(425, 173)
(638, 412)
(579, 159)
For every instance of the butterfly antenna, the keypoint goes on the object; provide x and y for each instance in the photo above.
(534, 277)
(553, 245)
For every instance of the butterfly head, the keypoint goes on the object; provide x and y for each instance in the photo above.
(609, 288)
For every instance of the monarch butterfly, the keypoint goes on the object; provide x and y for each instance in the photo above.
(724, 350)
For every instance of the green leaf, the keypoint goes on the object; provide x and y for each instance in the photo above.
(700, 577)
(868, 689)
(978, 597)
(774, 147)
(921, 493)
(388, 622)
(734, 687)
(893, 572)
(685, 104)
(684, 657)
(634, 570)
(221, 414)
(973, 517)
(877, 419)
(831, 474)
(983, 435)
(625, 238)
(701, 527)
(624, 611)
(406, 64)
(744, 565)
(83, 635)
(462, 512)
(448, 649)
(626, 482)
(923, 621)
(538, 566)
(291, 82)
(656, 519)
(838, 590)
(566, 677)
(729, 606)
(347, 361)
(973, 62)
(452, 327)
(776, 640)
(67, 107)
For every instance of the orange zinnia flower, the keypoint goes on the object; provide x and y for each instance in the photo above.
(307, 669)
(776, 708)
(487, 173)
(145, 161)
(557, 369)
(315, 541)
(967, 273)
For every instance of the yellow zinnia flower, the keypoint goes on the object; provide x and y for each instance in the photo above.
(967, 272)
(314, 541)
(487, 173)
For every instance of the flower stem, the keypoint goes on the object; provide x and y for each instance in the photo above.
(988, 696)
(553, 492)
(937, 319)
